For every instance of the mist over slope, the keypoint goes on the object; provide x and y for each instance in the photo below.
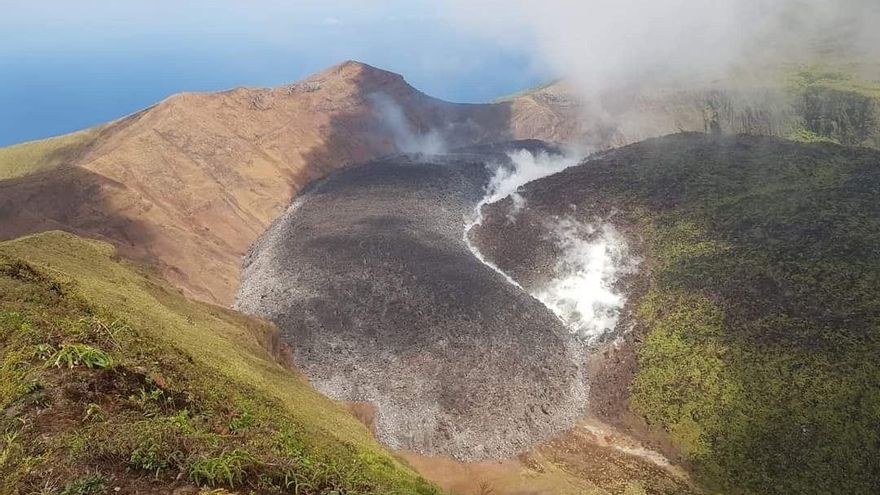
(636, 69)
(802, 102)
(603, 45)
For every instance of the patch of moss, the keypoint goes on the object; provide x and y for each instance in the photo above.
(105, 369)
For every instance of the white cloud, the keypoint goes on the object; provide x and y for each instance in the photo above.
(607, 43)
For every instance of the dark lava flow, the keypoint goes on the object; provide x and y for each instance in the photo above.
(370, 281)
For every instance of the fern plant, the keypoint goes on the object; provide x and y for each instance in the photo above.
(73, 355)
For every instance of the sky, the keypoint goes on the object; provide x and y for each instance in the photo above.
(69, 65)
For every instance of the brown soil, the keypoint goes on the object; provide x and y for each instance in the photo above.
(589, 459)
(365, 413)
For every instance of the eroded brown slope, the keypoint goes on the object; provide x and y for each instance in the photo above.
(191, 182)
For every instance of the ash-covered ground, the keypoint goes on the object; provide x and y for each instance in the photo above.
(371, 281)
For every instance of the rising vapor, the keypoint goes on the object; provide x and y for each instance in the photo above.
(582, 290)
(406, 139)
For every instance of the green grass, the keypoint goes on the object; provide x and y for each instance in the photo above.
(762, 313)
(759, 358)
(227, 468)
(842, 78)
(38, 156)
(802, 135)
(107, 371)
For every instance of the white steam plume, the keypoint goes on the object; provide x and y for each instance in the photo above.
(506, 181)
(582, 291)
(606, 44)
(526, 167)
(391, 114)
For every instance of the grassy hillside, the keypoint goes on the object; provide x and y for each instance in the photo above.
(38, 156)
(110, 378)
(764, 312)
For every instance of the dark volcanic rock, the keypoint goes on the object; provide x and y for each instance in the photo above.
(369, 278)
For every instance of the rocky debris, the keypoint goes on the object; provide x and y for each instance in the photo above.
(561, 100)
(304, 87)
(261, 100)
(369, 279)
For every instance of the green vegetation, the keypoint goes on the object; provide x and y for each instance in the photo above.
(802, 135)
(841, 78)
(38, 156)
(72, 355)
(110, 378)
(763, 310)
(835, 105)
(90, 484)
